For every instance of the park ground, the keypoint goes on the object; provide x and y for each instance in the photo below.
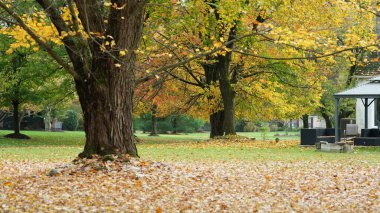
(187, 172)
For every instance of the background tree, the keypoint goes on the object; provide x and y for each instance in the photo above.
(28, 78)
(251, 33)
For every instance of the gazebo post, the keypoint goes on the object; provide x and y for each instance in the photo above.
(336, 120)
(366, 113)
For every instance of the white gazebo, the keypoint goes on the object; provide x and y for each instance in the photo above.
(367, 92)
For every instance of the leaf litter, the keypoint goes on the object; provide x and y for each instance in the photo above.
(128, 185)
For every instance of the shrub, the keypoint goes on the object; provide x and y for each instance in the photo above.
(70, 122)
(181, 123)
(250, 127)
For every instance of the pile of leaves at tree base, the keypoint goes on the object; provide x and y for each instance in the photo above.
(105, 164)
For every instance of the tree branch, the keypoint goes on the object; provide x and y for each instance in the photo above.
(91, 13)
(201, 55)
(54, 14)
(300, 58)
(40, 42)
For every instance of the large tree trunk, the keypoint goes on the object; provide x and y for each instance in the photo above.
(217, 123)
(107, 112)
(106, 93)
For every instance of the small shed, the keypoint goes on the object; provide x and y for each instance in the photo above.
(368, 93)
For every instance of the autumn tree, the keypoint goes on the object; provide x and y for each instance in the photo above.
(100, 38)
(252, 32)
(28, 79)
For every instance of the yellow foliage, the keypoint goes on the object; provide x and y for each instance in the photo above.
(39, 23)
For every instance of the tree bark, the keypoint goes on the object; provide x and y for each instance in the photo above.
(107, 113)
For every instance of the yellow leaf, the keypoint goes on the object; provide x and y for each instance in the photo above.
(122, 53)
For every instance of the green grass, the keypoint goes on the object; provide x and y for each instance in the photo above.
(58, 146)
(206, 135)
(39, 138)
(236, 152)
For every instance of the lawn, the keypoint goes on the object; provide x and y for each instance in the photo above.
(187, 172)
(66, 145)
(58, 146)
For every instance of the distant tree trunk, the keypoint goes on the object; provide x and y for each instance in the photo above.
(286, 125)
(229, 108)
(305, 121)
(227, 91)
(154, 131)
(216, 118)
(351, 72)
(217, 123)
(47, 119)
(16, 120)
(328, 120)
(175, 124)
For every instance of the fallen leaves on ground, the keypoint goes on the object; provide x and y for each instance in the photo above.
(137, 185)
(238, 142)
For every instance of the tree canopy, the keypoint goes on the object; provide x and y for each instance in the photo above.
(218, 59)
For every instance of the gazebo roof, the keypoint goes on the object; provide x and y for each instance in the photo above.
(368, 90)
